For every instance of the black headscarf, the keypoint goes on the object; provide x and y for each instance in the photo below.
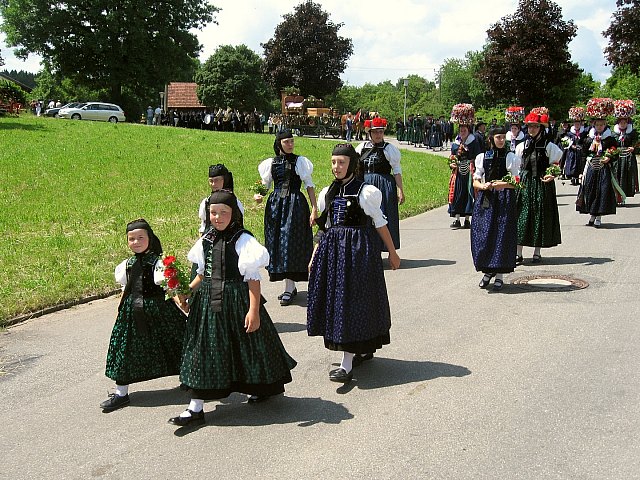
(347, 150)
(219, 170)
(277, 146)
(154, 242)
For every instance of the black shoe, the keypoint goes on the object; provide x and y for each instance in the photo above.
(456, 224)
(590, 224)
(293, 294)
(484, 282)
(114, 402)
(519, 260)
(195, 418)
(287, 298)
(360, 358)
(497, 285)
(467, 224)
(340, 375)
(536, 259)
(258, 398)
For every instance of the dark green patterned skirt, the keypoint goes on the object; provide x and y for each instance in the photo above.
(220, 357)
(134, 356)
(538, 219)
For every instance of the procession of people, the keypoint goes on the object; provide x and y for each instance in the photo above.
(212, 328)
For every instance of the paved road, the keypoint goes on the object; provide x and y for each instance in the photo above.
(524, 384)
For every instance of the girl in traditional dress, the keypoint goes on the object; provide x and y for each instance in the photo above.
(287, 219)
(538, 218)
(463, 153)
(219, 177)
(380, 167)
(231, 344)
(597, 194)
(146, 341)
(494, 230)
(577, 135)
(514, 116)
(348, 303)
(626, 168)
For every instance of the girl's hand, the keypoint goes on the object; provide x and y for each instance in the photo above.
(486, 186)
(394, 260)
(605, 159)
(400, 196)
(630, 150)
(257, 197)
(252, 321)
(313, 216)
(453, 166)
(548, 178)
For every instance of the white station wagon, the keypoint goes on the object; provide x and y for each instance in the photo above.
(104, 112)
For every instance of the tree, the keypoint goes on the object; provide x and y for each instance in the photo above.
(231, 77)
(306, 52)
(126, 46)
(527, 55)
(624, 36)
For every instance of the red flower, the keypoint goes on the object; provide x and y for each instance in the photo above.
(517, 178)
(166, 261)
(173, 283)
(170, 272)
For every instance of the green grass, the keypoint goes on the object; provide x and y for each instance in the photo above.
(69, 189)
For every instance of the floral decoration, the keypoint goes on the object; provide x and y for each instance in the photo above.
(514, 114)
(576, 114)
(624, 108)
(463, 114)
(600, 107)
(513, 180)
(176, 278)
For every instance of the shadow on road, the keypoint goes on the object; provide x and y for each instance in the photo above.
(388, 372)
(408, 263)
(282, 327)
(572, 261)
(616, 226)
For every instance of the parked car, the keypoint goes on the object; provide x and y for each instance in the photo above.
(105, 112)
(53, 112)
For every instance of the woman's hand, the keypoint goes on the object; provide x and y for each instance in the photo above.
(453, 165)
(252, 321)
(313, 216)
(394, 260)
(501, 185)
(257, 197)
(486, 186)
(400, 196)
(548, 178)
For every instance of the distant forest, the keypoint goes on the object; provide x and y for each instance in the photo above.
(27, 78)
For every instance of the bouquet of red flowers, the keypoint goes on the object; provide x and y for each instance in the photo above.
(612, 153)
(553, 170)
(176, 278)
(515, 181)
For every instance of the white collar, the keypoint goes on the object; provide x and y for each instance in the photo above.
(616, 129)
(573, 130)
(605, 134)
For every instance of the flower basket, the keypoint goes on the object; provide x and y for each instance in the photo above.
(540, 111)
(600, 108)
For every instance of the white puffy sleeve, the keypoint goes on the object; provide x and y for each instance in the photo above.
(202, 214)
(304, 169)
(393, 156)
(240, 206)
(478, 174)
(553, 152)
(252, 257)
(264, 169)
(158, 272)
(196, 255)
(360, 147)
(321, 199)
(121, 274)
(519, 153)
(370, 201)
(513, 164)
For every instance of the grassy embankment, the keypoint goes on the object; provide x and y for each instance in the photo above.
(69, 188)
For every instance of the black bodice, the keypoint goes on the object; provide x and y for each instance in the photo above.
(495, 164)
(373, 160)
(345, 208)
(149, 288)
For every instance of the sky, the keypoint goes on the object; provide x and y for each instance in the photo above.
(393, 39)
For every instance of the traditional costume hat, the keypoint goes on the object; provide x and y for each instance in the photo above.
(376, 123)
(599, 108)
(576, 114)
(463, 114)
(514, 114)
(538, 115)
(624, 108)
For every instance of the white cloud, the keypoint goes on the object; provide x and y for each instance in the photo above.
(394, 39)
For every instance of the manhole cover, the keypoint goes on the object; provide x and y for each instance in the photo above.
(555, 283)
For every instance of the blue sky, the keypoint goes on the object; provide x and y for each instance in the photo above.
(390, 42)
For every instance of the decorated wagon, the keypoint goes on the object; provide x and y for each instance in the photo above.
(309, 116)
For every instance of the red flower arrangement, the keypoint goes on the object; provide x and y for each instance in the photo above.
(176, 278)
(576, 114)
(600, 107)
(463, 113)
(612, 153)
(514, 114)
(515, 181)
(624, 108)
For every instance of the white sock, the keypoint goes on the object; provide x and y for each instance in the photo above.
(519, 250)
(122, 390)
(593, 217)
(499, 276)
(458, 217)
(289, 285)
(347, 361)
(466, 218)
(195, 405)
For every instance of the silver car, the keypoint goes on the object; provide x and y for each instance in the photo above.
(104, 112)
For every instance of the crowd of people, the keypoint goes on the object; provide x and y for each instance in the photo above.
(218, 119)
(215, 332)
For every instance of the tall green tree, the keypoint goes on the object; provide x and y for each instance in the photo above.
(122, 46)
(527, 55)
(306, 52)
(624, 36)
(232, 77)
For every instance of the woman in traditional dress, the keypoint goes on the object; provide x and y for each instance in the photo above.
(626, 168)
(514, 116)
(463, 153)
(538, 218)
(577, 135)
(597, 194)
(380, 167)
(435, 138)
(348, 303)
(494, 230)
(230, 344)
(287, 219)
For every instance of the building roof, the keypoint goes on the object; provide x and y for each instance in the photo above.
(182, 95)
